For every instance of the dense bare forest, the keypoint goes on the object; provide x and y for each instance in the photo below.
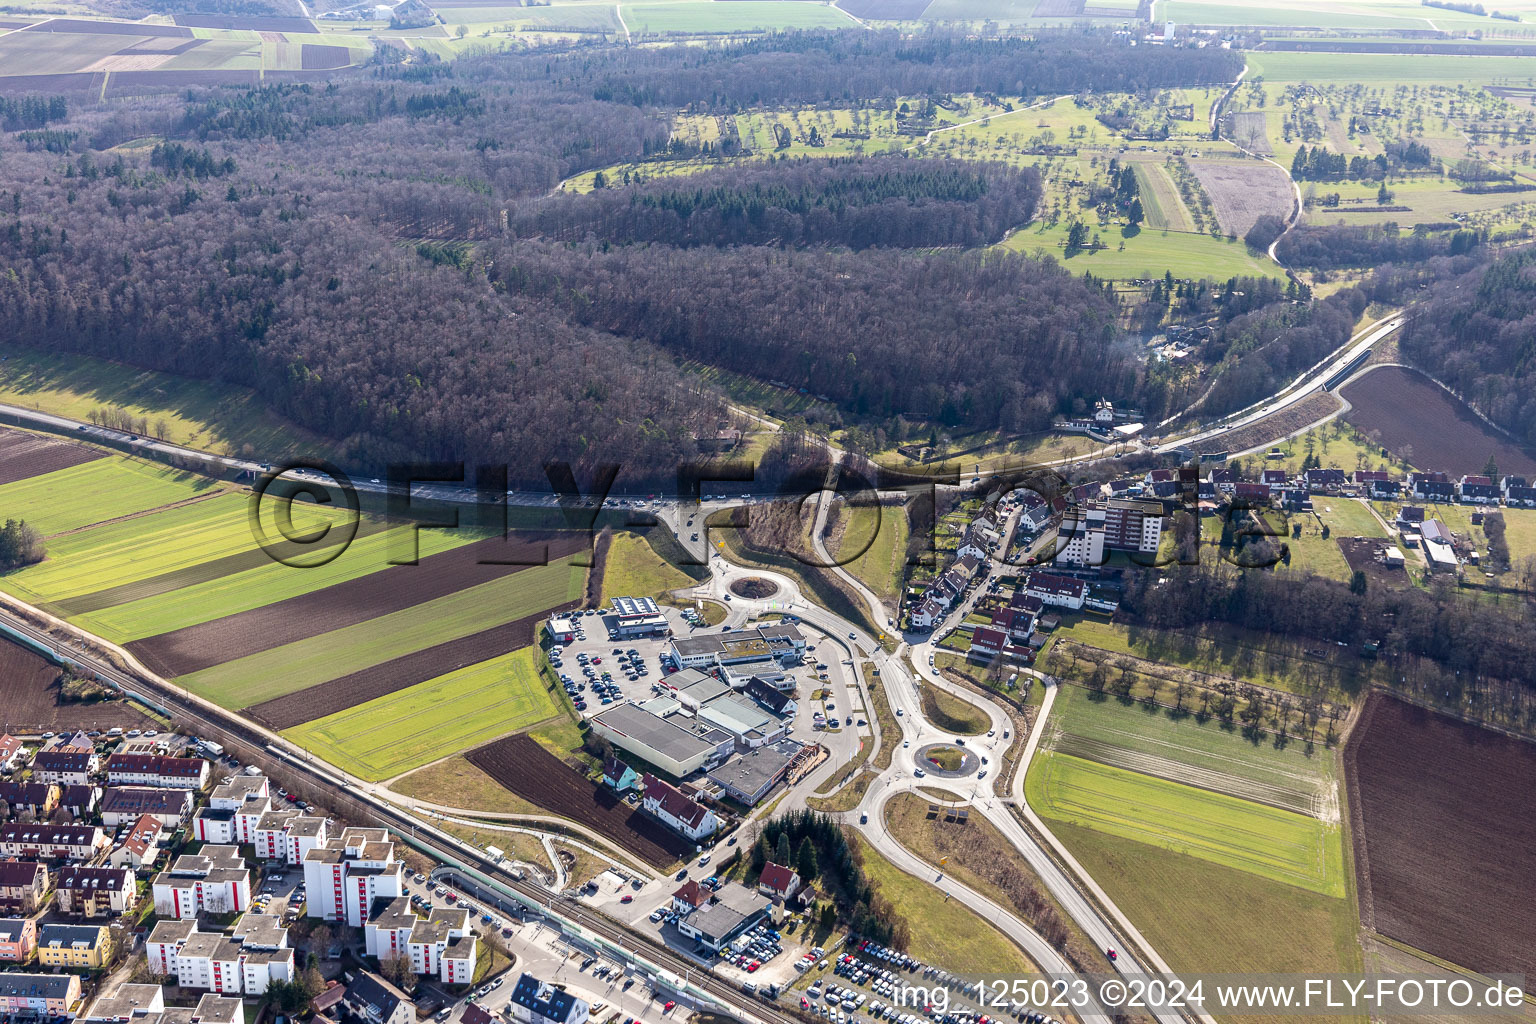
(1477, 333)
(859, 203)
(342, 248)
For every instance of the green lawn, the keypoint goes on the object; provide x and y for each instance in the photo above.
(1147, 254)
(1241, 834)
(634, 569)
(1347, 517)
(943, 932)
(1188, 12)
(408, 728)
(1378, 69)
(874, 548)
(94, 492)
(1156, 741)
(1207, 918)
(296, 666)
(272, 582)
(735, 16)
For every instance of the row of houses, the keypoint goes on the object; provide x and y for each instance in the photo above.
(66, 766)
(55, 945)
(1515, 491)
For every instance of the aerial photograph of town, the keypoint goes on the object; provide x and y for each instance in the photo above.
(767, 511)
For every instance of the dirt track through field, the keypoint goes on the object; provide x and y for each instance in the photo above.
(298, 618)
(1444, 835)
(367, 684)
(23, 455)
(523, 767)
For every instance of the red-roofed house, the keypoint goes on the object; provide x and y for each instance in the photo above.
(153, 770)
(778, 880)
(10, 749)
(689, 897)
(677, 810)
(142, 847)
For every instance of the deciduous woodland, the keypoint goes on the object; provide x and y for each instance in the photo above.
(388, 259)
(858, 203)
(1477, 334)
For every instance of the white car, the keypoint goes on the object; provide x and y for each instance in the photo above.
(919, 772)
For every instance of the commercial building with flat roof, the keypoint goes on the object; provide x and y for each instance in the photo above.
(733, 910)
(752, 776)
(635, 616)
(676, 750)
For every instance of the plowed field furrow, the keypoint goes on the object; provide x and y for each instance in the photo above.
(24, 455)
(368, 684)
(202, 646)
(1445, 835)
(520, 765)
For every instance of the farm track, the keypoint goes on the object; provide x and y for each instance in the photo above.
(368, 684)
(355, 601)
(23, 455)
(521, 766)
(1443, 834)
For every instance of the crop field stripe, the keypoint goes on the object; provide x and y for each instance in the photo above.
(1242, 834)
(281, 670)
(95, 492)
(402, 672)
(279, 605)
(24, 455)
(1160, 199)
(408, 728)
(1208, 745)
(192, 575)
(217, 613)
(1170, 770)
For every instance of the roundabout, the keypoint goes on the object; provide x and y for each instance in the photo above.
(753, 588)
(947, 761)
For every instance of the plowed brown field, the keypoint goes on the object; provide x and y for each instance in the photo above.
(1445, 835)
(345, 604)
(24, 455)
(29, 698)
(1444, 435)
(519, 764)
